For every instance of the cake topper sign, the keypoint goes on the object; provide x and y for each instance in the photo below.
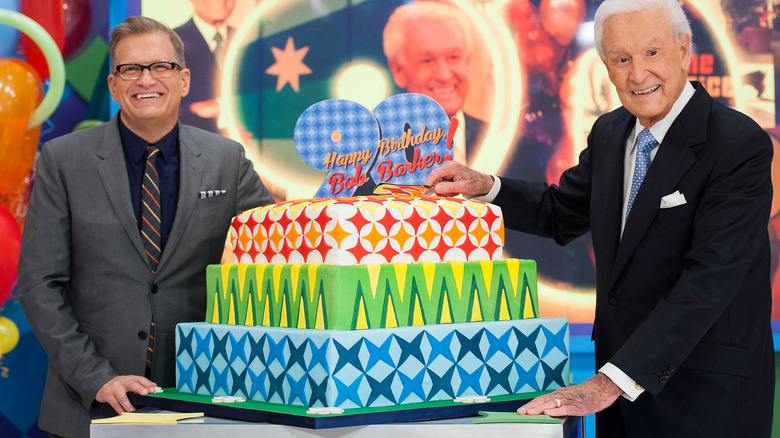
(399, 143)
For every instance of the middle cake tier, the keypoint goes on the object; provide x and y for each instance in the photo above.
(326, 296)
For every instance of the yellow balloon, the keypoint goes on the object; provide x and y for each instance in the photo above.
(9, 335)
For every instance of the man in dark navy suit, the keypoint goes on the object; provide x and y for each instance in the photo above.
(428, 47)
(205, 36)
(675, 189)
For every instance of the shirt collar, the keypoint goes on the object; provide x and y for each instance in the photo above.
(661, 127)
(208, 31)
(135, 146)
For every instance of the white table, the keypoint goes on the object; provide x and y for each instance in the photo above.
(220, 427)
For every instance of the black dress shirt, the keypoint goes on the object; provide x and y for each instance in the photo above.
(167, 166)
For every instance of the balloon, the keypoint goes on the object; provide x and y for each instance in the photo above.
(78, 20)
(9, 36)
(537, 49)
(53, 57)
(20, 92)
(9, 252)
(562, 18)
(51, 16)
(9, 335)
(88, 123)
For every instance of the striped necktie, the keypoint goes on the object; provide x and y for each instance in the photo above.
(150, 208)
(220, 47)
(645, 143)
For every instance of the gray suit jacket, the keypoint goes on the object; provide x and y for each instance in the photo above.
(85, 283)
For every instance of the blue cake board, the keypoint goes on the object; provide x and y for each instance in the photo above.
(263, 412)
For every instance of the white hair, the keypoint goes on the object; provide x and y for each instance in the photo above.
(394, 34)
(676, 16)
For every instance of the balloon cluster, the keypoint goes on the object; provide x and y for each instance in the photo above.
(544, 32)
(23, 108)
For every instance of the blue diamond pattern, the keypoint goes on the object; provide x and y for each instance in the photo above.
(239, 382)
(276, 351)
(440, 348)
(319, 356)
(382, 352)
(498, 344)
(381, 389)
(348, 392)
(348, 356)
(258, 384)
(470, 380)
(499, 378)
(297, 390)
(412, 385)
(527, 377)
(364, 383)
(297, 354)
(319, 393)
(185, 342)
(276, 386)
(557, 340)
(470, 345)
(443, 383)
(256, 349)
(410, 348)
(526, 342)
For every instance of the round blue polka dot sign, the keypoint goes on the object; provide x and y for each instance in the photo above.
(405, 137)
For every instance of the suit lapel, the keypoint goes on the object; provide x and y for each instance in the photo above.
(190, 176)
(672, 161)
(113, 173)
(611, 178)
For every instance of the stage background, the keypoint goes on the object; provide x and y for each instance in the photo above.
(534, 79)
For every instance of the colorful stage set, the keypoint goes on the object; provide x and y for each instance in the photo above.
(355, 292)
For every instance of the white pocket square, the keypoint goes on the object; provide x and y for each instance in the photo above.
(673, 200)
(205, 194)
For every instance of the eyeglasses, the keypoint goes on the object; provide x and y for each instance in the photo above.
(159, 70)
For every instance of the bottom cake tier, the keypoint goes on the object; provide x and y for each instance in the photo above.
(375, 367)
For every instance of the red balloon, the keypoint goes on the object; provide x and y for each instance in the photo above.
(51, 16)
(536, 48)
(78, 21)
(562, 18)
(10, 244)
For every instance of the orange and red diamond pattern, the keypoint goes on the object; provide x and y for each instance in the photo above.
(369, 230)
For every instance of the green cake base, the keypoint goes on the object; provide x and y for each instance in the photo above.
(276, 413)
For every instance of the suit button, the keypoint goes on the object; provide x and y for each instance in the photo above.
(154, 288)
(142, 335)
(613, 301)
(664, 379)
(671, 368)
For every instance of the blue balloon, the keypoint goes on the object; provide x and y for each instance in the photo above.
(9, 37)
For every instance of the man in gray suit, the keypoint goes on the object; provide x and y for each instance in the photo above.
(103, 308)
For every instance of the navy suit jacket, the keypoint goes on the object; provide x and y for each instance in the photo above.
(204, 83)
(684, 297)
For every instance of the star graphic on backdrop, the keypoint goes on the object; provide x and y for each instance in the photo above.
(289, 65)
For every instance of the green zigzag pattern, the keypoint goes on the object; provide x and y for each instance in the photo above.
(341, 310)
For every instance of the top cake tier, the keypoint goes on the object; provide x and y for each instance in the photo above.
(369, 229)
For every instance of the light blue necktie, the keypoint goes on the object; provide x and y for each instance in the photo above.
(645, 143)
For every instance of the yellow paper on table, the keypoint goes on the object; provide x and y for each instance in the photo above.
(148, 418)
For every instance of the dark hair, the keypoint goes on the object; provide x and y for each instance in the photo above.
(138, 25)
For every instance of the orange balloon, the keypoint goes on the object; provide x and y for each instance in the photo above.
(562, 18)
(20, 93)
